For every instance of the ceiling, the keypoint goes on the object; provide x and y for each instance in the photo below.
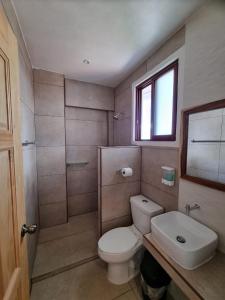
(114, 35)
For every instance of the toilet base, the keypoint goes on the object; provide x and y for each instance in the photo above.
(121, 273)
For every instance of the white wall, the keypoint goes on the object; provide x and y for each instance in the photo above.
(204, 81)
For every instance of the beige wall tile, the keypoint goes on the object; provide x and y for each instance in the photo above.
(27, 124)
(222, 159)
(41, 76)
(113, 159)
(49, 100)
(86, 133)
(82, 154)
(153, 158)
(116, 199)
(50, 160)
(118, 222)
(123, 93)
(30, 184)
(83, 94)
(204, 75)
(75, 225)
(51, 189)
(111, 128)
(212, 206)
(122, 132)
(123, 103)
(167, 201)
(26, 82)
(50, 131)
(85, 114)
(53, 214)
(82, 181)
(204, 82)
(82, 204)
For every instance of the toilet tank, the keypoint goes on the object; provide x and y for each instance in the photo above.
(143, 209)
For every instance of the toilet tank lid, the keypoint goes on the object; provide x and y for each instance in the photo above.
(146, 205)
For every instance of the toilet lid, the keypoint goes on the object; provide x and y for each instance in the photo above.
(117, 240)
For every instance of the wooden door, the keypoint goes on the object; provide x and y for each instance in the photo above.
(14, 282)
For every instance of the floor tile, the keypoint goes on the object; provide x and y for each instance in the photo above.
(86, 282)
(135, 284)
(130, 295)
(75, 225)
(63, 252)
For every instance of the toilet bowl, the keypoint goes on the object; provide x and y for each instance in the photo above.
(122, 247)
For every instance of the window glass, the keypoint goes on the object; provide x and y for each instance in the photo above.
(146, 113)
(163, 113)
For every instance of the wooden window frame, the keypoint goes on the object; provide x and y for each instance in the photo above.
(151, 81)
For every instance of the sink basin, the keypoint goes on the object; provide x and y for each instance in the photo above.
(189, 243)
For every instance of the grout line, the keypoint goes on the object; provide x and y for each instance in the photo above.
(156, 187)
(66, 236)
(50, 116)
(47, 146)
(46, 83)
(124, 293)
(118, 183)
(62, 269)
(82, 120)
(52, 203)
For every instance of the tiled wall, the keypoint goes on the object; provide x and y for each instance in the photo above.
(29, 153)
(85, 130)
(89, 124)
(204, 82)
(114, 191)
(153, 158)
(204, 42)
(50, 141)
(89, 95)
(123, 93)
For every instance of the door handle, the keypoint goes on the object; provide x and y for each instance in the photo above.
(31, 229)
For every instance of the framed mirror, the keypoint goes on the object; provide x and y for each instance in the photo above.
(203, 149)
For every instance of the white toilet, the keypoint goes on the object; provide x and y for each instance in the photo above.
(122, 247)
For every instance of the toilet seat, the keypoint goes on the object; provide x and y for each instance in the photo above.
(118, 241)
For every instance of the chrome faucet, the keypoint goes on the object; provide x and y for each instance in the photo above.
(189, 207)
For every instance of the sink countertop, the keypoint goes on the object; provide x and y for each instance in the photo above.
(206, 282)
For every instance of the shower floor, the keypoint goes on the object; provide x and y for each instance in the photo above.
(63, 247)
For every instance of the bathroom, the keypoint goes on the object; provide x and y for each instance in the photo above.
(101, 172)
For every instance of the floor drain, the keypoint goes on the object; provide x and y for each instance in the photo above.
(181, 239)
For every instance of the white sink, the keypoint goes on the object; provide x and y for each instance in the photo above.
(186, 241)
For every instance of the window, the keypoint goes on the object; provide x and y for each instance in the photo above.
(156, 106)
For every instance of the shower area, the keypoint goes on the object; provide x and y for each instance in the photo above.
(72, 119)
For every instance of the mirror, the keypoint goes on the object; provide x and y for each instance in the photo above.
(203, 152)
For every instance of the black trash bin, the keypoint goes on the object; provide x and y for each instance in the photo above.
(154, 279)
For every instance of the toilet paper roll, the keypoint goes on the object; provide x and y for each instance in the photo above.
(126, 172)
